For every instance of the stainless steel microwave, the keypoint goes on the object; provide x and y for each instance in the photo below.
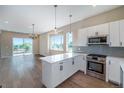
(98, 40)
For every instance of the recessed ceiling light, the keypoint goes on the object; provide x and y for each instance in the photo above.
(6, 22)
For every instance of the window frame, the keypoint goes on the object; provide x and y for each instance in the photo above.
(67, 49)
(62, 42)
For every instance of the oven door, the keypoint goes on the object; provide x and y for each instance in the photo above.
(96, 67)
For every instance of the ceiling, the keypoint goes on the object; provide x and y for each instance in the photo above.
(20, 18)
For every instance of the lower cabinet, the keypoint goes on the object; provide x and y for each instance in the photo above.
(80, 63)
(113, 69)
(54, 74)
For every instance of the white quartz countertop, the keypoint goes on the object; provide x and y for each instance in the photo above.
(60, 57)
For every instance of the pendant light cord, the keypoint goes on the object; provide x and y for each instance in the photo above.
(33, 28)
(70, 16)
(55, 15)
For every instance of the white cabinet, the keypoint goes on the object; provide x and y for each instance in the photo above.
(99, 30)
(102, 29)
(113, 69)
(114, 34)
(82, 37)
(65, 69)
(80, 62)
(122, 33)
(91, 31)
(54, 74)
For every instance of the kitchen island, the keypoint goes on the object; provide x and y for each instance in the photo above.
(58, 68)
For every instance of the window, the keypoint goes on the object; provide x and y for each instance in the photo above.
(69, 41)
(56, 42)
(22, 46)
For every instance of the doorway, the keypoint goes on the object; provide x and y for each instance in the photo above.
(22, 46)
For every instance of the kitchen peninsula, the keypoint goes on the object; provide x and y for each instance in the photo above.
(58, 68)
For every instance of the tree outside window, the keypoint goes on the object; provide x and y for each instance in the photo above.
(56, 42)
(69, 41)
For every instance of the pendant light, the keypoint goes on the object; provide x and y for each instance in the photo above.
(33, 35)
(70, 16)
(55, 28)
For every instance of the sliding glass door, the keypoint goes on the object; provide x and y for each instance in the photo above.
(22, 46)
(27, 43)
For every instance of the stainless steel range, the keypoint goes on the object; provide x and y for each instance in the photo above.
(96, 65)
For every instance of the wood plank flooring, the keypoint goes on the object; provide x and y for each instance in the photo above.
(25, 72)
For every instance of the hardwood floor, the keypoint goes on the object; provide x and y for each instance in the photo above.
(25, 72)
(80, 80)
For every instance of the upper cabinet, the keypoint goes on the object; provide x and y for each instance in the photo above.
(114, 31)
(122, 33)
(99, 30)
(82, 37)
(91, 31)
(102, 29)
(116, 34)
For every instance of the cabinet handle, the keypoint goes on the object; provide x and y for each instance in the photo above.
(110, 43)
(109, 62)
(61, 67)
(73, 62)
(121, 43)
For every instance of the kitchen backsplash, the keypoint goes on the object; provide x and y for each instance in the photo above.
(100, 49)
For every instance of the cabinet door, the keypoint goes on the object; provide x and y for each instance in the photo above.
(61, 71)
(102, 29)
(91, 31)
(114, 70)
(66, 69)
(80, 62)
(82, 37)
(114, 34)
(122, 33)
(56, 74)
